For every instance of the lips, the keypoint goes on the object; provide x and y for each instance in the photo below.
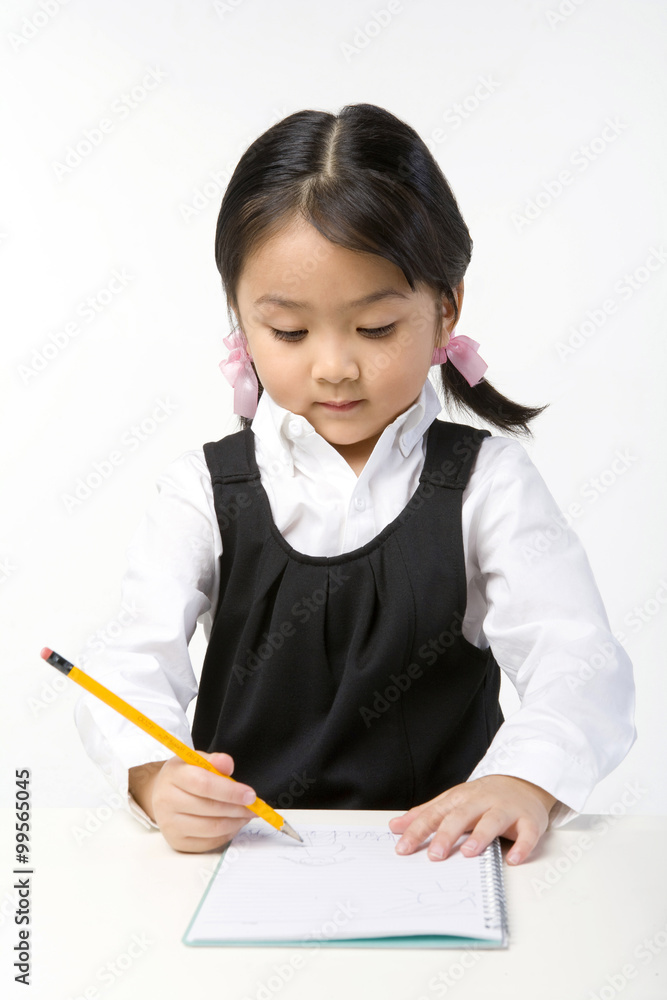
(342, 406)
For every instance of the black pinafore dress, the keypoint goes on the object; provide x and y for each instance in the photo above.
(345, 681)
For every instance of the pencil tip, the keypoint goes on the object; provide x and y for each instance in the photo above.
(286, 828)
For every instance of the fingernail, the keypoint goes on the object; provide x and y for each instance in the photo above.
(248, 798)
(514, 858)
(437, 851)
(470, 845)
(402, 847)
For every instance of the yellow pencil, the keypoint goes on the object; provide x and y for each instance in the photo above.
(182, 750)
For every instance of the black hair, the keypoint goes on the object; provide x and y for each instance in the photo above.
(367, 182)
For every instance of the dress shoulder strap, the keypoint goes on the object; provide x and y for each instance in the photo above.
(451, 450)
(232, 458)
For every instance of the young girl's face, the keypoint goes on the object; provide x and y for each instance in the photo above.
(337, 336)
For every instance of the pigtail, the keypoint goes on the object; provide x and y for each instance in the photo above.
(246, 422)
(486, 402)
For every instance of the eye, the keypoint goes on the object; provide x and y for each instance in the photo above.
(380, 331)
(295, 335)
(288, 334)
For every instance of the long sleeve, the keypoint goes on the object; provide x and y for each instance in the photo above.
(531, 596)
(534, 599)
(170, 582)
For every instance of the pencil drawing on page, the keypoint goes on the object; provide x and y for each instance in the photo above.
(321, 849)
(439, 898)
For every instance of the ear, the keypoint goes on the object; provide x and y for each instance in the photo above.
(449, 319)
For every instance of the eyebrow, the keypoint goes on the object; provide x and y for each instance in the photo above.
(274, 299)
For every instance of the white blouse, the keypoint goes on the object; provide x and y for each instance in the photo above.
(531, 596)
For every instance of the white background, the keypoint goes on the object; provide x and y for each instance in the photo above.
(144, 201)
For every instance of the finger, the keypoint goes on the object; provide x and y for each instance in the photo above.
(529, 832)
(221, 761)
(458, 820)
(214, 828)
(183, 801)
(224, 762)
(493, 823)
(421, 826)
(198, 781)
(399, 823)
(193, 843)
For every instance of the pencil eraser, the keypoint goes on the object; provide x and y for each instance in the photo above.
(46, 653)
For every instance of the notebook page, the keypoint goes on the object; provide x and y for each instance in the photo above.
(343, 882)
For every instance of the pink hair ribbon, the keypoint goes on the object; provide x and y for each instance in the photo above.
(238, 371)
(462, 352)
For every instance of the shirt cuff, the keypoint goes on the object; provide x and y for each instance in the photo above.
(547, 766)
(135, 810)
(560, 815)
(120, 779)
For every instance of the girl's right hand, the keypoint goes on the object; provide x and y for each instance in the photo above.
(195, 809)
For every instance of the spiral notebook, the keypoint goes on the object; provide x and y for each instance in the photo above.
(345, 886)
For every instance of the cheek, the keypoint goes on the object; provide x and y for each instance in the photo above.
(277, 365)
(383, 361)
(398, 366)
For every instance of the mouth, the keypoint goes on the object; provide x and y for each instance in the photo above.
(342, 407)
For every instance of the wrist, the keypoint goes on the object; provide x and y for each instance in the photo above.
(546, 798)
(141, 782)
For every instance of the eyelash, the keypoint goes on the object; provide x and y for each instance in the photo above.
(379, 331)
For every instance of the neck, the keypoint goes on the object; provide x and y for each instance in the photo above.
(357, 454)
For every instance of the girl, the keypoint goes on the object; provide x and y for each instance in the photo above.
(362, 569)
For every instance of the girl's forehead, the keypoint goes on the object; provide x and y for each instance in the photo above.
(298, 265)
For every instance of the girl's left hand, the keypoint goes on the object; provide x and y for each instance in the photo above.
(495, 805)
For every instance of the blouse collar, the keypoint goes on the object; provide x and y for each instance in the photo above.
(292, 441)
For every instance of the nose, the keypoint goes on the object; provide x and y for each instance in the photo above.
(334, 358)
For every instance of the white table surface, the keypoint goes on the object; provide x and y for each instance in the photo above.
(587, 917)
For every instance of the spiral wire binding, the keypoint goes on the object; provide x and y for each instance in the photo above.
(493, 888)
